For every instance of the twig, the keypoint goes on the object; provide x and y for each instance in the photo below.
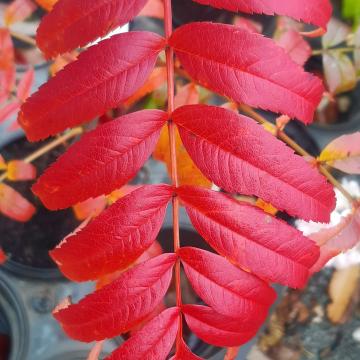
(249, 111)
(24, 38)
(48, 147)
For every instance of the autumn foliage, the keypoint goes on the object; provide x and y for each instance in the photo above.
(229, 150)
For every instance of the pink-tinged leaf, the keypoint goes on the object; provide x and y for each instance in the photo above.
(18, 10)
(154, 341)
(247, 236)
(14, 205)
(240, 156)
(261, 75)
(71, 23)
(117, 237)
(153, 8)
(229, 290)
(6, 50)
(96, 351)
(18, 170)
(90, 208)
(7, 81)
(316, 12)
(108, 156)
(340, 73)
(184, 353)
(343, 153)
(187, 95)
(217, 329)
(101, 78)
(232, 353)
(339, 238)
(3, 256)
(248, 24)
(25, 84)
(295, 45)
(9, 110)
(120, 306)
(337, 33)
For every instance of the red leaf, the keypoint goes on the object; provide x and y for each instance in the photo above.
(25, 84)
(14, 205)
(240, 156)
(184, 353)
(117, 237)
(261, 74)
(249, 237)
(228, 289)
(120, 306)
(3, 256)
(101, 78)
(18, 10)
(154, 341)
(6, 50)
(71, 23)
(7, 81)
(217, 329)
(317, 12)
(108, 156)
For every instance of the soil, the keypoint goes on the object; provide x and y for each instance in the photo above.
(29, 243)
(300, 330)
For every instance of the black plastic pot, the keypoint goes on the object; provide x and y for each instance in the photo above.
(13, 319)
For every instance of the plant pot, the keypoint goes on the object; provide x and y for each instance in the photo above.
(28, 244)
(13, 321)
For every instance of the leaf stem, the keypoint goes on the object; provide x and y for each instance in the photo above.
(170, 66)
(48, 147)
(281, 135)
(339, 50)
(24, 38)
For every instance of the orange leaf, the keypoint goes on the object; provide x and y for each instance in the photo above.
(231, 353)
(90, 208)
(14, 205)
(119, 193)
(18, 10)
(3, 165)
(156, 80)
(47, 4)
(189, 174)
(18, 170)
(3, 256)
(154, 8)
(62, 60)
(6, 50)
(267, 207)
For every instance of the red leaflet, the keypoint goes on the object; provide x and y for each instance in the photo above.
(123, 304)
(103, 160)
(317, 12)
(6, 50)
(240, 156)
(9, 110)
(14, 205)
(260, 75)
(184, 353)
(101, 78)
(217, 329)
(154, 341)
(117, 237)
(253, 239)
(90, 208)
(228, 289)
(71, 23)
